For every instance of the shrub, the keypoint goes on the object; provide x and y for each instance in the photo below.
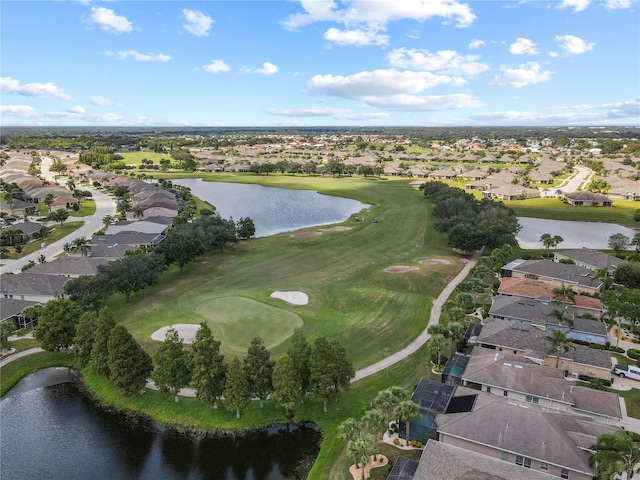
(396, 441)
(633, 353)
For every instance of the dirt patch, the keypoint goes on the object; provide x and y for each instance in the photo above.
(357, 472)
(311, 233)
(434, 261)
(416, 184)
(400, 269)
(294, 298)
(335, 229)
(186, 331)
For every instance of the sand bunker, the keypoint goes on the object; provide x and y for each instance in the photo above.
(186, 331)
(311, 233)
(434, 261)
(335, 229)
(294, 298)
(399, 269)
(416, 184)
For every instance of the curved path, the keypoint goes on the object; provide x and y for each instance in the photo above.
(104, 206)
(434, 318)
(15, 356)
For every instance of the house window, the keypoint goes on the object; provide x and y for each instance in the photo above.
(532, 399)
(505, 393)
(488, 389)
(523, 461)
(544, 466)
(564, 473)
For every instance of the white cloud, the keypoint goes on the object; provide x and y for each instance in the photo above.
(216, 66)
(426, 103)
(21, 111)
(414, 34)
(617, 4)
(266, 69)
(76, 109)
(444, 61)
(376, 83)
(10, 85)
(526, 74)
(137, 56)
(573, 45)
(577, 5)
(379, 13)
(523, 46)
(336, 113)
(476, 44)
(358, 38)
(108, 21)
(197, 23)
(102, 101)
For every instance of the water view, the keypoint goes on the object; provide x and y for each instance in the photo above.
(273, 210)
(51, 430)
(576, 234)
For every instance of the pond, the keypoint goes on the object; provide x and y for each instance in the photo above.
(52, 430)
(273, 210)
(576, 234)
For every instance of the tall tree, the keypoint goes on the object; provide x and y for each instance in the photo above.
(32, 313)
(100, 351)
(208, 368)
(557, 240)
(172, 367)
(559, 343)
(57, 325)
(88, 291)
(84, 337)
(258, 368)
(330, 369)
(287, 390)
(131, 274)
(619, 242)
(236, 390)
(360, 448)
(616, 454)
(564, 293)
(129, 364)
(300, 351)
(374, 423)
(407, 411)
(82, 245)
(436, 345)
(547, 241)
(180, 246)
(245, 228)
(387, 401)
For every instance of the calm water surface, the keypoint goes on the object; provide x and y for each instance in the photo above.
(273, 210)
(51, 430)
(576, 234)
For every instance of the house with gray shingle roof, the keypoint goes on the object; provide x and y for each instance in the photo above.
(585, 198)
(69, 266)
(11, 310)
(524, 381)
(554, 273)
(442, 461)
(32, 287)
(528, 435)
(589, 258)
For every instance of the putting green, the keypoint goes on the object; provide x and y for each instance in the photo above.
(237, 320)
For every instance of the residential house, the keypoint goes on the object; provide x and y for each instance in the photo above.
(585, 198)
(511, 192)
(526, 435)
(557, 274)
(69, 266)
(11, 311)
(532, 343)
(589, 258)
(441, 461)
(32, 287)
(16, 208)
(524, 381)
(444, 174)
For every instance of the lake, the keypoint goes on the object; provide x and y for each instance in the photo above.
(273, 210)
(576, 234)
(52, 430)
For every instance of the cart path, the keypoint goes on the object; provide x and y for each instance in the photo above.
(434, 318)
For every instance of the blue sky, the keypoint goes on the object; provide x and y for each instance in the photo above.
(320, 62)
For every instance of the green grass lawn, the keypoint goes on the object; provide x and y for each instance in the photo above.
(135, 158)
(632, 400)
(14, 371)
(351, 298)
(87, 208)
(57, 233)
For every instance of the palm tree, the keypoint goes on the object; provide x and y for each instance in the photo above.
(106, 220)
(565, 293)
(616, 453)
(406, 412)
(360, 449)
(456, 333)
(71, 185)
(636, 241)
(558, 314)
(387, 401)
(82, 245)
(437, 344)
(138, 213)
(559, 343)
(547, 241)
(557, 239)
(373, 422)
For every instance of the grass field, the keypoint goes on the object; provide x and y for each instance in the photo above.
(351, 298)
(135, 158)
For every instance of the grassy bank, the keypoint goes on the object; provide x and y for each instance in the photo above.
(14, 371)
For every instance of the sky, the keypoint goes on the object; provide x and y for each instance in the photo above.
(320, 63)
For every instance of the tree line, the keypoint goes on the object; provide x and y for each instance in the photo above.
(321, 368)
(469, 223)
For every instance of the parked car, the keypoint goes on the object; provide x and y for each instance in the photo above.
(627, 371)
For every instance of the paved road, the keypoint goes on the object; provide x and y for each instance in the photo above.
(573, 184)
(104, 206)
(434, 318)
